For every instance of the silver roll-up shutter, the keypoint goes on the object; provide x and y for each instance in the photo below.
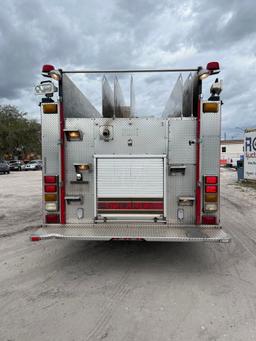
(130, 177)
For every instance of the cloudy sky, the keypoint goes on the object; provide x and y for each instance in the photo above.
(83, 34)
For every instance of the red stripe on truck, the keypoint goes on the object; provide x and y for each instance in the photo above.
(198, 182)
(62, 159)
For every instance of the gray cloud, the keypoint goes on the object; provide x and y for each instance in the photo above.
(122, 34)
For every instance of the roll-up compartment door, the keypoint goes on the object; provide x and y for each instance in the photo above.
(130, 185)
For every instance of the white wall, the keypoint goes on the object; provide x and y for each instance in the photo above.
(233, 150)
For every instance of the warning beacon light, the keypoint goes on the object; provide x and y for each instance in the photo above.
(212, 68)
(46, 69)
(50, 71)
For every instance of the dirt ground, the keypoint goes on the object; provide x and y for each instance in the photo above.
(20, 201)
(70, 290)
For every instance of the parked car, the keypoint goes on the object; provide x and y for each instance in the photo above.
(33, 165)
(4, 167)
(16, 165)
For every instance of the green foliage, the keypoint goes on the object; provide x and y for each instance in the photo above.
(18, 135)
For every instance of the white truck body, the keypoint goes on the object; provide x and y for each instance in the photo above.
(147, 179)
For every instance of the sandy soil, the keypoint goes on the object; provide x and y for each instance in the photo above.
(20, 201)
(67, 290)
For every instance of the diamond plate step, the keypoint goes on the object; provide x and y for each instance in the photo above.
(149, 232)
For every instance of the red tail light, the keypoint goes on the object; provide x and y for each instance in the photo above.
(52, 218)
(49, 179)
(211, 180)
(210, 189)
(209, 220)
(50, 188)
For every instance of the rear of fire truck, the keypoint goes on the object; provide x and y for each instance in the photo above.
(117, 175)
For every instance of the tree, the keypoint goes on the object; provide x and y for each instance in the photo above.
(18, 134)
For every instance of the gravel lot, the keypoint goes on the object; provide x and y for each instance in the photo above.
(67, 290)
(20, 201)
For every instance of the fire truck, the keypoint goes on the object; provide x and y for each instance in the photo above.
(117, 175)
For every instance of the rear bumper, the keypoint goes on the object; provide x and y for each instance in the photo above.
(148, 232)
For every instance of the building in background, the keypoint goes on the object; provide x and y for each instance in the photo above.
(230, 152)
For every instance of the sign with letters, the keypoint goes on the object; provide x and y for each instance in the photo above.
(250, 155)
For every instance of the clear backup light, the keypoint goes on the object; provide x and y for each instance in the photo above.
(211, 207)
(51, 206)
(45, 88)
